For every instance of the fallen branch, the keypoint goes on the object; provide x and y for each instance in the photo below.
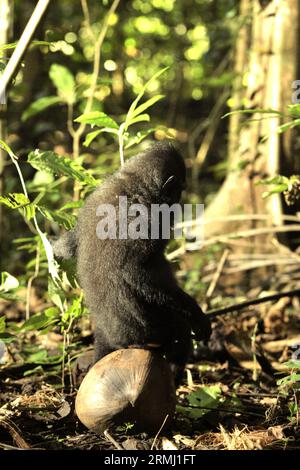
(23, 44)
(14, 432)
(217, 274)
(248, 303)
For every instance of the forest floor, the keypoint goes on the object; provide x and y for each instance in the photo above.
(231, 399)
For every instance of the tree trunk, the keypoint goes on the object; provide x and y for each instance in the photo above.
(6, 14)
(266, 65)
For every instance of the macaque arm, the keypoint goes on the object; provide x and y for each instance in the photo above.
(66, 246)
(176, 300)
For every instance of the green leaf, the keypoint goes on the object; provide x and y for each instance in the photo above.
(13, 45)
(133, 106)
(294, 110)
(14, 200)
(92, 135)
(40, 320)
(139, 137)
(292, 364)
(72, 205)
(140, 109)
(6, 147)
(279, 179)
(254, 111)
(42, 357)
(56, 294)
(64, 81)
(288, 125)
(56, 164)
(2, 324)
(8, 282)
(97, 118)
(52, 312)
(74, 311)
(60, 217)
(290, 380)
(7, 338)
(41, 178)
(280, 188)
(40, 105)
(7, 47)
(19, 201)
(202, 401)
(9, 296)
(205, 396)
(35, 371)
(140, 118)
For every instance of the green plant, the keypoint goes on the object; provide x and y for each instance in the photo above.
(290, 385)
(136, 114)
(292, 380)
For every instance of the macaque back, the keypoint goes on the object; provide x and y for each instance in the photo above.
(128, 283)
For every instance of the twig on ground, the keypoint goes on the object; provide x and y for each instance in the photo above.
(112, 440)
(15, 433)
(159, 431)
(217, 274)
(248, 303)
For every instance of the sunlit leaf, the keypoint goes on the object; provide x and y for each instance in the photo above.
(19, 201)
(6, 147)
(72, 205)
(13, 45)
(290, 380)
(60, 217)
(2, 324)
(294, 110)
(278, 179)
(52, 312)
(56, 164)
(133, 106)
(140, 118)
(140, 109)
(56, 294)
(14, 200)
(74, 310)
(41, 178)
(254, 111)
(205, 396)
(292, 364)
(7, 338)
(8, 282)
(97, 118)
(280, 188)
(288, 125)
(93, 135)
(53, 266)
(40, 320)
(64, 81)
(201, 402)
(137, 138)
(35, 371)
(42, 357)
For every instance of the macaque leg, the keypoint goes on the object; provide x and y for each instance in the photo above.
(178, 356)
(101, 346)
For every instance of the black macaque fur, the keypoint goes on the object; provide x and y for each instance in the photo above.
(128, 284)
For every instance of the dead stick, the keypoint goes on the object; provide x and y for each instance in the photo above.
(110, 438)
(22, 45)
(217, 274)
(235, 308)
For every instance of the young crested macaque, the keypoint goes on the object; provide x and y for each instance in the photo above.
(128, 283)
